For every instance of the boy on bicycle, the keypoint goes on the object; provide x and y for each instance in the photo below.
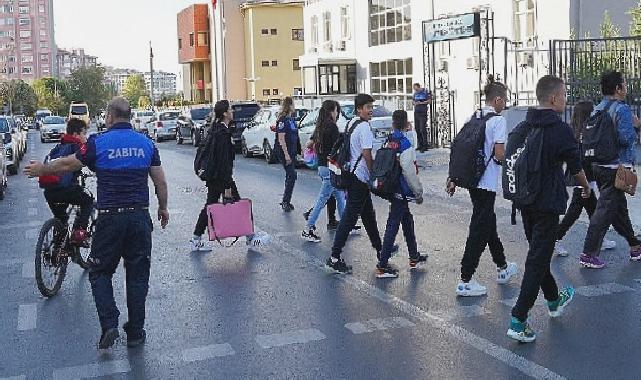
(62, 190)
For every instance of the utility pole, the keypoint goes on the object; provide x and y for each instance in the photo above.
(151, 75)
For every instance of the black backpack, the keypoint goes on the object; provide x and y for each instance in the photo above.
(522, 175)
(338, 161)
(201, 161)
(467, 154)
(386, 172)
(601, 138)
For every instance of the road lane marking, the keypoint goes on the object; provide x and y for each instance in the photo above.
(378, 324)
(207, 352)
(92, 370)
(20, 225)
(31, 233)
(32, 211)
(290, 337)
(28, 270)
(21, 377)
(462, 312)
(27, 317)
(602, 289)
(501, 354)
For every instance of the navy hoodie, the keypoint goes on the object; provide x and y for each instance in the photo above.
(559, 147)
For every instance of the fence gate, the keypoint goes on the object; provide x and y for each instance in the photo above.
(580, 64)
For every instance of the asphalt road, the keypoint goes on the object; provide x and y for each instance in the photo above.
(274, 313)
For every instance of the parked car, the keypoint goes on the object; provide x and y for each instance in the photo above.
(259, 135)
(163, 125)
(190, 123)
(10, 147)
(19, 135)
(52, 128)
(140, 119)
(3, 172)
(243, 115)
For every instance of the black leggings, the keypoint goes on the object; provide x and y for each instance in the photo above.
(577, 204)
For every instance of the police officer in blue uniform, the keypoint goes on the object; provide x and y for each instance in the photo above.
(123, 160)
(421, 100)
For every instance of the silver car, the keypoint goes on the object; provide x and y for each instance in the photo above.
(10, 147)
(163, 125)
(52, 128)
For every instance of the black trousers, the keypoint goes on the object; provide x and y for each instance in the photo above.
(359, 202)
(577, 204)
(60, 199)
(611, 209)
(483, 233)
(214, 193)
(540, 231)
(290, 180)
(420, 125)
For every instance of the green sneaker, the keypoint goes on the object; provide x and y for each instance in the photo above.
(555, 308)
(521, 331)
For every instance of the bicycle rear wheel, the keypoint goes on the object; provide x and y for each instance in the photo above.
(50, 260)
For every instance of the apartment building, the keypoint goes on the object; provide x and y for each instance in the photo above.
(116, 78)
(164, 84)
(69, 60)
(27, 41)
(194, 52)
(274, 37)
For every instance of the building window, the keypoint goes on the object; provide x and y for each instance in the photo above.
(265, 63)
(43, 21)
(26, 58)
(24, 21)
(274, 63)
(314, 28)
(344, 23)
(297, 35)
(524, 22)
(296, 64)
(264, 32)
(27, 70)
(337, 79)
(43, 32)
(266, 92)
(391, 77)
(41, 8)
(275, 91)
(203, 39)
(25, 34)
(180, 43)
(327, 26)
(191, 39)
(273, 32)
(44, 57)
(23, 9)
(24, 47)
(389, 21)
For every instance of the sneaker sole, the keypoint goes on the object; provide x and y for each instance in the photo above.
(592, 266)
(331, 270)
(386, 275)
(108, 340)
(417, 265)
(561, 254)
(471, 294)
(520, 338)
(559, 311)
(638, 258)
(311, 239)
(506, 280)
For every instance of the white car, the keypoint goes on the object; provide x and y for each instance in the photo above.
(258, 136)
(140, 118)
(52, 128)
(19, 135)
(3, 172)
(163, 125)
(10, 147)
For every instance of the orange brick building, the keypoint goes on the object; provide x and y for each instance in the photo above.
(194, 52)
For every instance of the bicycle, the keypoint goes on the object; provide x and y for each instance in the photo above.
(54, 248)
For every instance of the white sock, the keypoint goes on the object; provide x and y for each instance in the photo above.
(334, 259)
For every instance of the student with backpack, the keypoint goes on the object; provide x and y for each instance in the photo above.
(287, 148)
(475, 163)
(63, 190)
(407, 188)
(580, 116)
(609, 143)
(325, 136)
(533, 179)
(350, 165)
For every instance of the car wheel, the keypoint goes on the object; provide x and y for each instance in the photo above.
(42, 140)
(179, 139)
(13, 169)
(268, 152)
(244, 150)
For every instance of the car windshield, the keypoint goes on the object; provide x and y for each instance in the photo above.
(53, 120)
(41, 114)
(4, 126)
(348, 110)
(79, 110)
(199, 113)
(145, 114)
(169, 116)
(245, 111)
(378, 111)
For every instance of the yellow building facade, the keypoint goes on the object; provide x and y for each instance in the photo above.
(273, 45)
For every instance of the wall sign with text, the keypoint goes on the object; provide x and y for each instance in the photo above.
(452, 28)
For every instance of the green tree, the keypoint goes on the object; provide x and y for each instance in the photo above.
(608, 29)
(144, 102)
(134, 88)
(87, 84)
(19, 96)
(51, 94)
(635, 24)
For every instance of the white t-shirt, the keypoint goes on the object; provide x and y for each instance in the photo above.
(495, 133)
(362, 138)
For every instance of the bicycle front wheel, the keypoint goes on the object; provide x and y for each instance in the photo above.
(50, 260)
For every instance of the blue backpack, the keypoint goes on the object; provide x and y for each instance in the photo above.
(50, 182)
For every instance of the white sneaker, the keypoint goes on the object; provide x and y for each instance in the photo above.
(197, 245)
(608, 244)
(560, 250)
(470, 289)
(258, 239)
(505, 275)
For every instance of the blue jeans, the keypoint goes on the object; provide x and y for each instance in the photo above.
(126, 235)
(326, 191)
(399, 214)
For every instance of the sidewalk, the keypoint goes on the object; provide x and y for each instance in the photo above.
(433, 169)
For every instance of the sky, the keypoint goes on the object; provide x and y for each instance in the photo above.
(118, 31)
